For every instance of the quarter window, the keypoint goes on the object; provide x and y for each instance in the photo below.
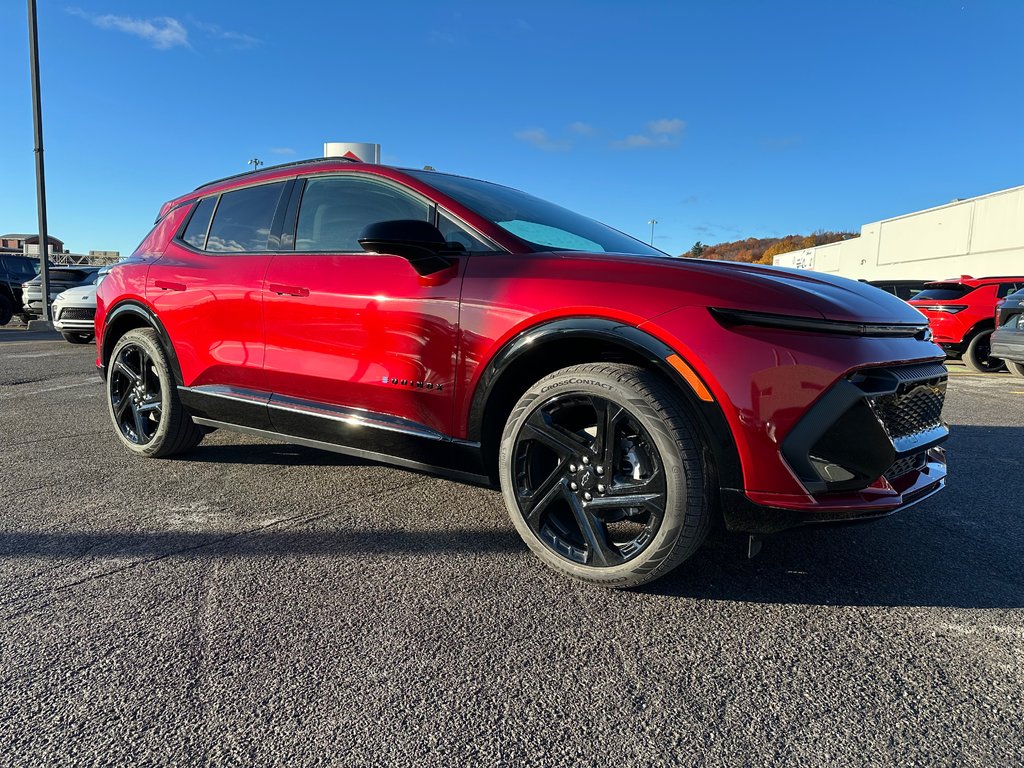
(195, 232)
(336, 209)
(244, 218)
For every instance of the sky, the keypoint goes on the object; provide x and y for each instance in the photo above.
(721, 120)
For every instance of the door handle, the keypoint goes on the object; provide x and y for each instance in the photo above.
(288, 290)
(167, 285)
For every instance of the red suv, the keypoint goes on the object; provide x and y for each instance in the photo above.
(622, 399)
(961, 313)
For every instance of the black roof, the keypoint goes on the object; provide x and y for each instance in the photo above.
(278, 167)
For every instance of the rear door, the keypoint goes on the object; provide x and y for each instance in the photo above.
(353, 330)
(207, 287)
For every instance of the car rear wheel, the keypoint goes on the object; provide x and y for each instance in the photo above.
(142, 400)
(6, 310)
(77, 338)
(602, 473)
(1017, 369)
(978, 355)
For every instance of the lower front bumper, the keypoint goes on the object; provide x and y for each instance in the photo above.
(760, 513)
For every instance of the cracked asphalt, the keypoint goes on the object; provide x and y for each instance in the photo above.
(263, 604)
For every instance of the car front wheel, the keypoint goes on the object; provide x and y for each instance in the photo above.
(602, 472)
(1017, 369)
(142, 400)
(77, 338)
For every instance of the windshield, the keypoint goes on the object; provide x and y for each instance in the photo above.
(544, 225)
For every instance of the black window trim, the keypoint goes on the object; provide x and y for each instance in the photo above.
(293, 213)
(275, 234)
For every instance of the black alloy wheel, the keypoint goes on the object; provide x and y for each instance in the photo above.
(143, 401)
(589, 480)
(603, 475)
(978, 356)
(136, 399)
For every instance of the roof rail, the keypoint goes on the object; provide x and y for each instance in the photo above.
(277, 167)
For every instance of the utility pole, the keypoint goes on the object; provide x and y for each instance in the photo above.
(37, 122)
(255, 163)
(652, 222)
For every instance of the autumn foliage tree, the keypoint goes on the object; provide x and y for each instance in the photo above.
(761, 250)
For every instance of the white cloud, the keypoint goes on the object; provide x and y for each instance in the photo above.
(162, 32)
(660, 133)
(282, 150)
(581, 128)
(539, 138)
(666, 126)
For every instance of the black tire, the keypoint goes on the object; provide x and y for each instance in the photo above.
(6, 310)
(1017, 369)
(978, 355)
(552, 463)
(142, 399)
(77, 338)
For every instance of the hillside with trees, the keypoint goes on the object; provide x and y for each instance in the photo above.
(760, 250)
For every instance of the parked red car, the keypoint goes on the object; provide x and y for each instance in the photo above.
(961, 313)
(622, 399)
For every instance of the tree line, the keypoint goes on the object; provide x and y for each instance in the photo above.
(760, 250)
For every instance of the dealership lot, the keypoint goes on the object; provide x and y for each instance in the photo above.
(264, 603)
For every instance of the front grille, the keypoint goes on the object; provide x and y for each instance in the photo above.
(78, 313)
(911, 413)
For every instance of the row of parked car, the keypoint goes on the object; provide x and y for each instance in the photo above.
(72, 296)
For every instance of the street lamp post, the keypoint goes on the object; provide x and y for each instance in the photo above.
(37, 123)
(652, 222)
(255, 163)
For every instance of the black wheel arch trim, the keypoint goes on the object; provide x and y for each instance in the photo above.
(709, 415)
(136, 309)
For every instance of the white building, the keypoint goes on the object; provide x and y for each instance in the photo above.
(979, 236)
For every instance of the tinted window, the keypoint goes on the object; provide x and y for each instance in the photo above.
(542, 224)
(1006, 289)
(335, 209)
(21, 268)
(244, 218)
(195, 232)
(945, 293)
(454, 232)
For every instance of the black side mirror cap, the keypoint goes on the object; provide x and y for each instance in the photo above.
(419, 242)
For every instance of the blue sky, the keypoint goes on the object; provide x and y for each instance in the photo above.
(721, 120)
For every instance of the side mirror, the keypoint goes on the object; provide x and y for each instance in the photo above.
(419, 242)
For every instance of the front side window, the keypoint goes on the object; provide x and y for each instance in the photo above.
(244, 218)
(1005, 289)
(455, 232)
(336, 209)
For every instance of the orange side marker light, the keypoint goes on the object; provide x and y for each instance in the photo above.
(691, 378)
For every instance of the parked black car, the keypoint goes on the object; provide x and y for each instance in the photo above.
(61, 278)
(14, 270)
(1008, 339)
(901, 289)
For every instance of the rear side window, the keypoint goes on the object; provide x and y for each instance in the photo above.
(945, 293)
(199, 223)
(1005, 289)
(243, 219)
(336, 209)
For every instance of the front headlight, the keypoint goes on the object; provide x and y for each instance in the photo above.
(731, 317)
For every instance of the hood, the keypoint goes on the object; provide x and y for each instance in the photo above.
(85, 293)
(782, 290)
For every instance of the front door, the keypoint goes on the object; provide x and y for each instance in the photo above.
(360, 334)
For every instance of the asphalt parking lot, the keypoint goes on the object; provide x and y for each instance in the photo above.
(260, 603)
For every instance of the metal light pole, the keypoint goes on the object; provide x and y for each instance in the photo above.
(37, 122)
(652, 222)
(255, 163)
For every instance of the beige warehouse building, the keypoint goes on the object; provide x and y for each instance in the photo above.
(979, 236)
